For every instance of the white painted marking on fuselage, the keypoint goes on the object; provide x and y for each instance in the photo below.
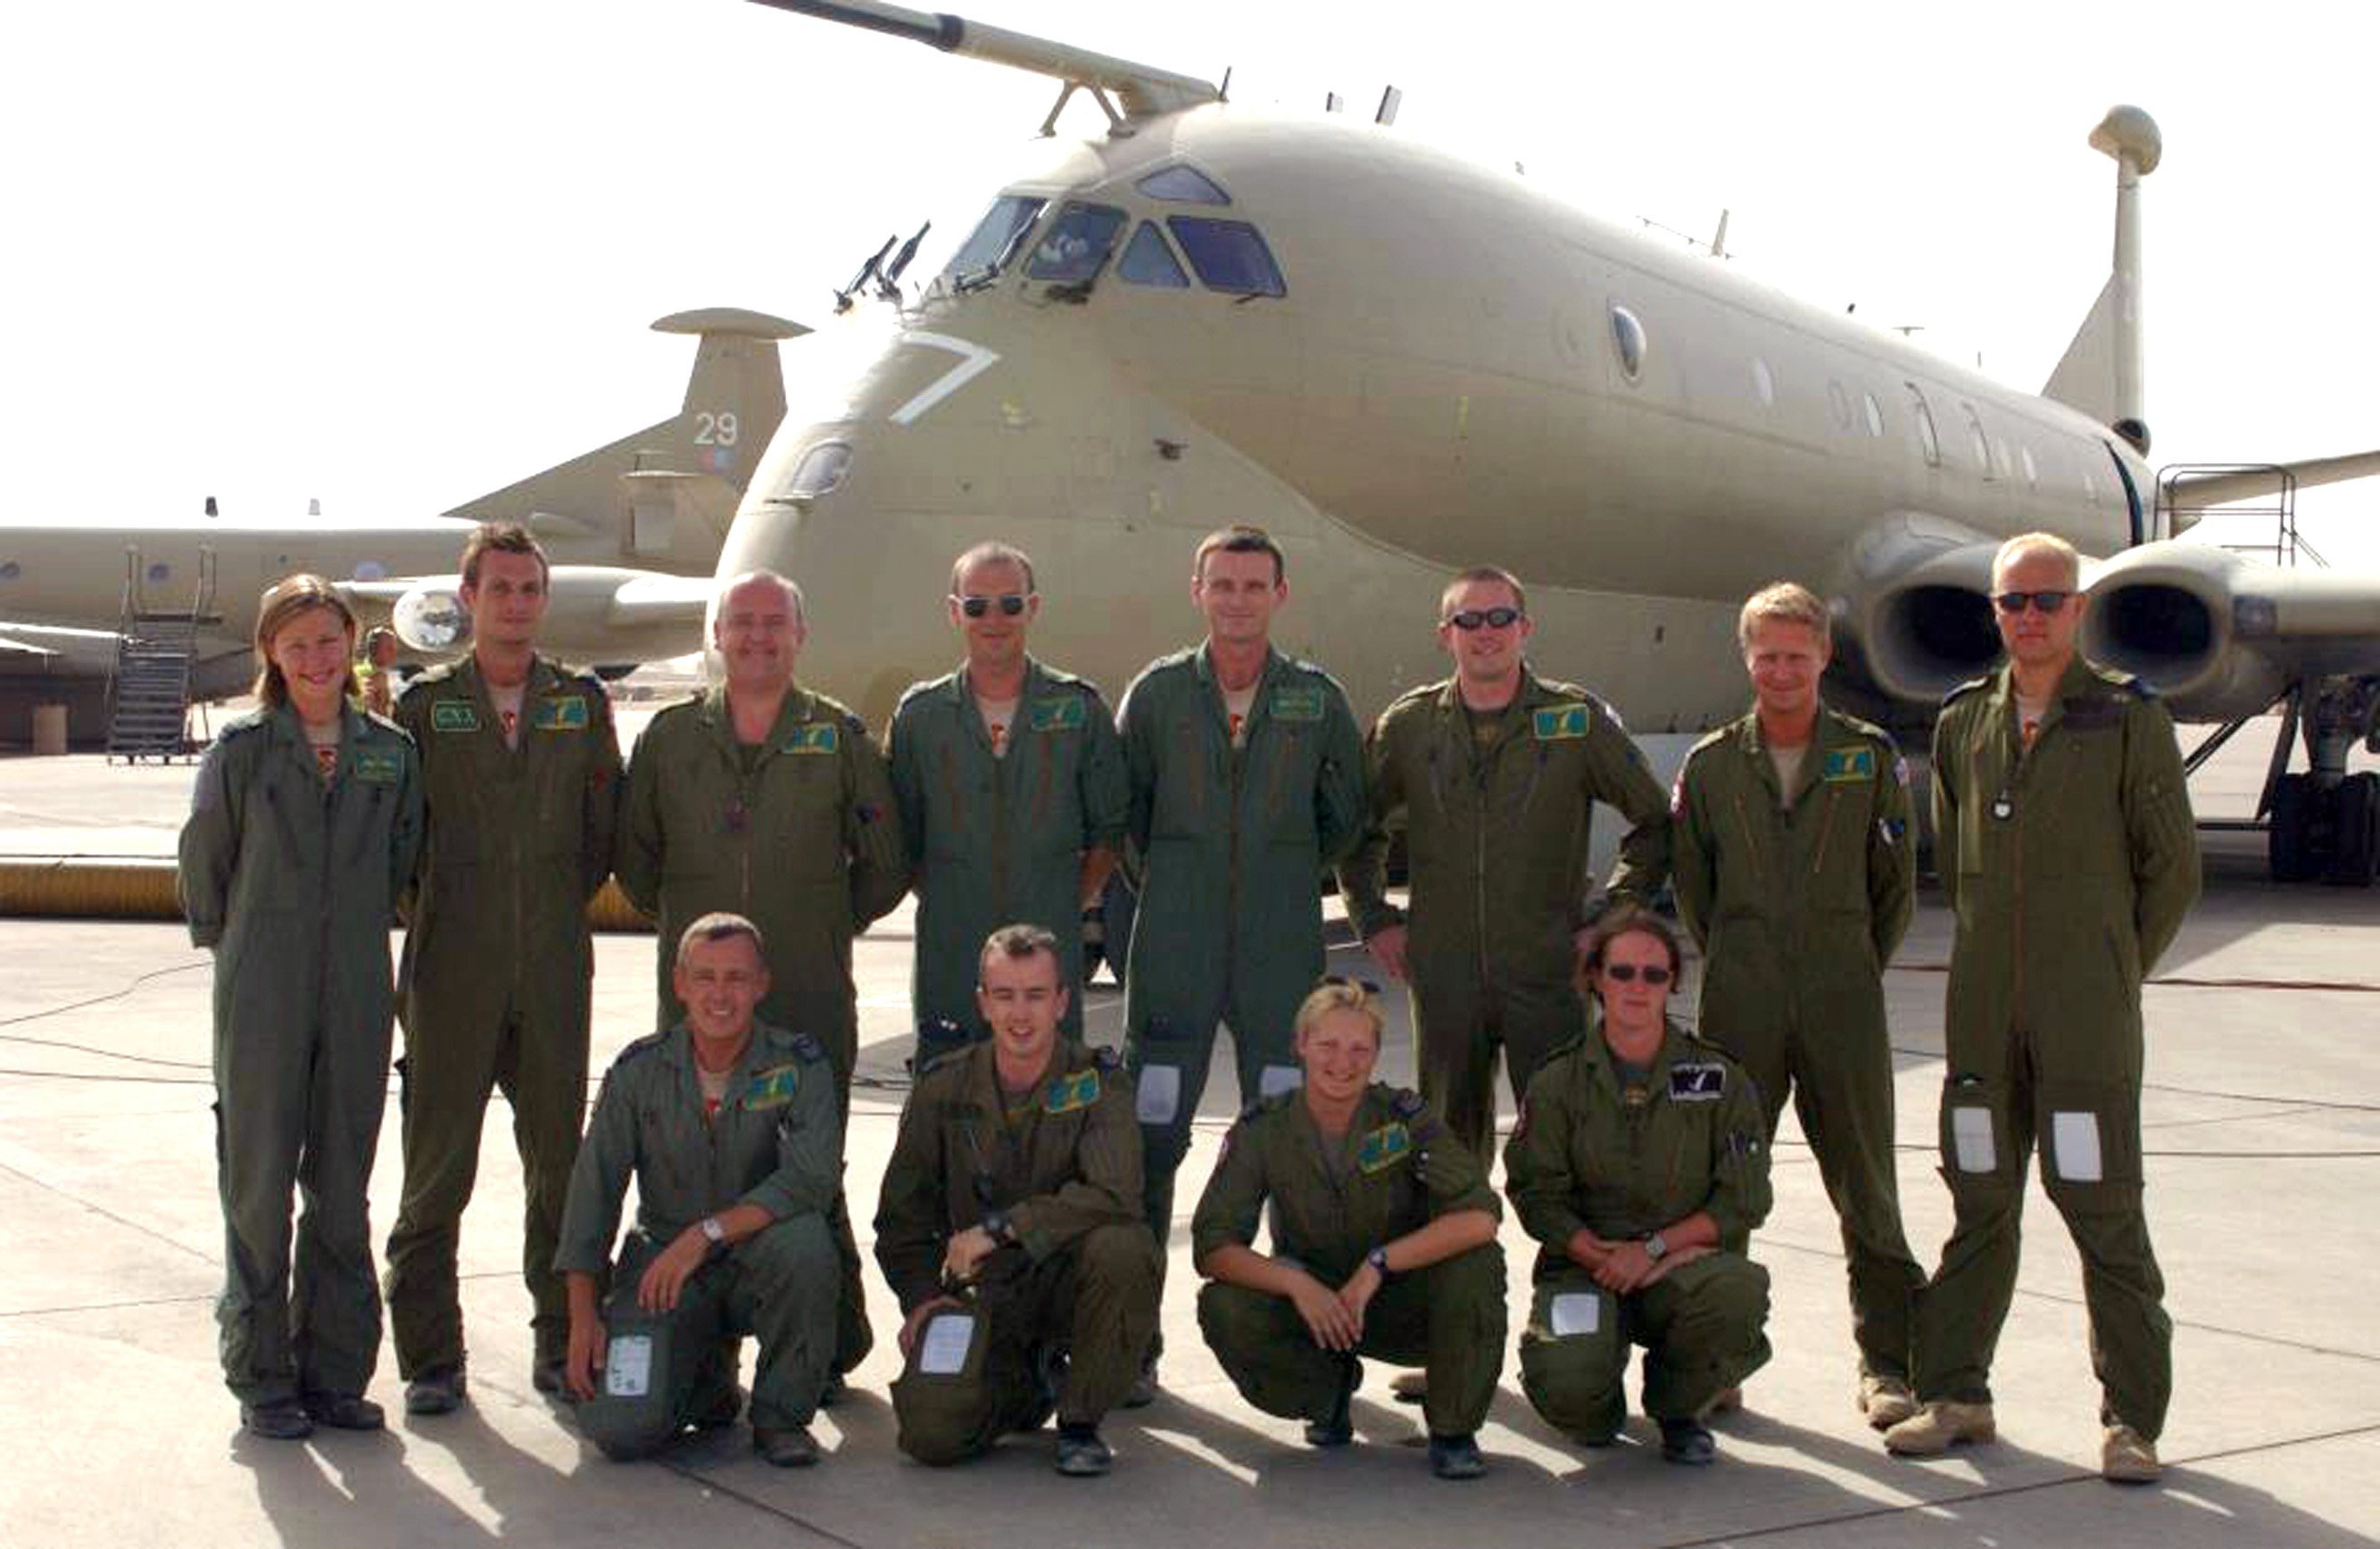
(973, 361)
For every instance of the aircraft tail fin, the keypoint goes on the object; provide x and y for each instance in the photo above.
(662, 498)
(2101, 373)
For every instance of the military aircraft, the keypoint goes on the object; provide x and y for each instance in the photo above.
(640, 518)
(1200, 316)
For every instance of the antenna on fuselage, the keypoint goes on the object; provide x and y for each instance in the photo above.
(1391, 100)
(867, 272)
(1332, 101)
(889, 284)
(1718, 238)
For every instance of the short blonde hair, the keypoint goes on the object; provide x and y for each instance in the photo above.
(2028, 543)
(1340, 995)
(1784, 602)
(1484, 575)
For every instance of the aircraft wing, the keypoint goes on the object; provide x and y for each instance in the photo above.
(596, 614)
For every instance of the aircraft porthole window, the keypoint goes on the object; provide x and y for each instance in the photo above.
(821, 469)
(1874, 415)
(1838, 403)
(1764, 383)
(1628, 338)
(1077, 245)
(2032, 468)
(160, 571)
(1148, 260)
(10, 570)
(1928, 443)
(1183, 184)
(1980, 441)
(1228, 255)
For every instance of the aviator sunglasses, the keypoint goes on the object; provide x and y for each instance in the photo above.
(2043, 601)
(1628, 974)
(1009, 603)
(1493, 618)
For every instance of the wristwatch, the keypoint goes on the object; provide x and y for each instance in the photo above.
(999, 1227)
(1379, 1259)
(1655, 1246)
(713, 1232)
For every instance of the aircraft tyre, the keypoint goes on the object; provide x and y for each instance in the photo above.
(2289, 837)
(2354, 842)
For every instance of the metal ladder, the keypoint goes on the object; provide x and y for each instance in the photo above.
(149, 691)
(2287, 545)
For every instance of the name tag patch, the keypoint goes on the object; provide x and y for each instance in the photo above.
(822, 738)
(772, 1087)
(1384, 1147)
(1060, 712)
(1068, 1093)
(1697, 1082)
(559, 712)
(1301, 702)
(378, 767)
(1560, 723)
(454, 715)
(1845, 765)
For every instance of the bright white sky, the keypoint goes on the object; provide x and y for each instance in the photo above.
(394, 257)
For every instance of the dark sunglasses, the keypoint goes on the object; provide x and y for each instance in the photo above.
(1009, 603)
(2043, 602)
(1493, 618)
(1366, 985)
(1628, 974)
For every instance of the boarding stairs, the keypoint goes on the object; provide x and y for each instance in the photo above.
(156, 648)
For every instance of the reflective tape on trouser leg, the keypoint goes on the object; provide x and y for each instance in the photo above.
(1574, 1359)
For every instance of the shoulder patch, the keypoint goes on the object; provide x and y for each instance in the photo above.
(1303, 701)
(810, 1048)
(1065, 1093)
(1107, 1057)
(1058, 712)
(377, 766)
(818, 736)
(1405, 1101)
(1384, 1148)
(1696, 1081)
(772, 1087)
(454, 715)
(1849, 765)
(1557, 724)
(561, 712)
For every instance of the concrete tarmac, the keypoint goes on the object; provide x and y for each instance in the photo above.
(2262, 1122)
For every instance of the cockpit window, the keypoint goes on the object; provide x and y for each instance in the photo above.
(1183, 184)
(1228, 255)
(1078, 244)
(1148, 260)
(995, 237)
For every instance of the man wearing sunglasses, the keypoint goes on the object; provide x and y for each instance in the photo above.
(1795, 871)
(1492, 774)
(1010, 782)
(760, 798)
(2068, 855)
(1247, 783)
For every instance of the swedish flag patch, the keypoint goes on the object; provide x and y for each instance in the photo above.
(822, 738)
(1384, 1147)
(454, 715)
(772, 1087)
(561, 712)
(376, 766)
(1068, 1093)
(1059, 712)
(1297, 702)
(1846, 765)
(1558, 723)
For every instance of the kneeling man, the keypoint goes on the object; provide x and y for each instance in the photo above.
(1010, 1230)
(733, 1131)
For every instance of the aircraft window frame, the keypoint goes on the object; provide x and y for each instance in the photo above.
(1204, 258)
(1183, 184)
(1875, 415)
(1172, 277)
(1929, 441)
(996, 253)
(1764, 383)
(1083, 266)
(1980, 441)
(1629, 342)
(2032, 468)
(1838, 404)
(828, 481)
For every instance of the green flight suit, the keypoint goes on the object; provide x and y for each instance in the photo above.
(1798, 900)
(1496, 848)
(495, 986)
(1622, 1161)
(1233, 846)
(1062, 1162)
(997, 841)
(776, 1142)
(2069, 868)
(1395, 1170)
(293, 884)
(800, 836)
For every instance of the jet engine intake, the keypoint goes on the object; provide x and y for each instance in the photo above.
(431, 618)
(2179, 617)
